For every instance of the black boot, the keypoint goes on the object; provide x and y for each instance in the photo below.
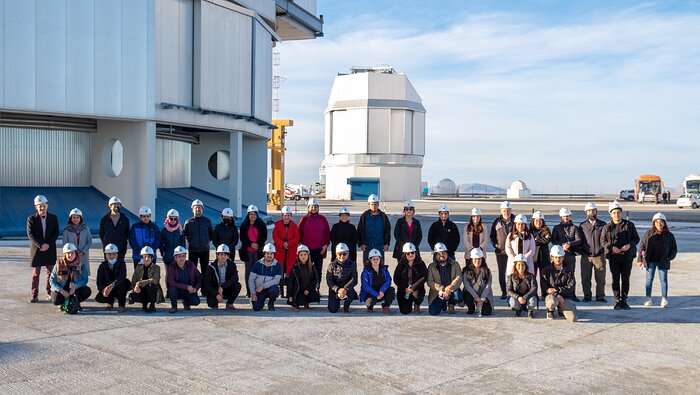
(271, 305)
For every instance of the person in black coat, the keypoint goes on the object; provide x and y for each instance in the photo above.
(198, 233)
(42, 232)
(344, 232)
(114, 227)
(444, 231)
(303, 282)
(251, 250)
(410, 276)
(619, 239)
(111, 279)
(407, 230)
(220, 287)
(226, 232)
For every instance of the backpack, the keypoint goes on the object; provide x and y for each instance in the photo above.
(71, 305)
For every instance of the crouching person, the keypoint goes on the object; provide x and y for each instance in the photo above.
(444, 279)
(302, 284)
(341, 278)
(111, 279)
(521, 287)
(559, 283)
(146, 282)
(410, 276)
(184, 280)
(264, 280)
(376, 283)
(477, 279)
(221, 280)
(69, 277)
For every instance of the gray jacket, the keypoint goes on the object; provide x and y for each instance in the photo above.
(70, 235)
(591, 233)
(499, 233)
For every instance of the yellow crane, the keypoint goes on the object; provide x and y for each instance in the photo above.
(277, 148)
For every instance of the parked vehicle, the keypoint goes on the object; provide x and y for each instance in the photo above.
(688, 200)
(627, 194)
(651, 185)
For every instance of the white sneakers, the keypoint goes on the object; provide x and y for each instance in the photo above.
(648, 303)
(664, 303)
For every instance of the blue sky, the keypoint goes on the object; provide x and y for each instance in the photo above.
(566, 95)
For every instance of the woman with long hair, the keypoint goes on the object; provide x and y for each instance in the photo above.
(477, 280)
(522, 288)
(69, 278)
(253, 236)
(410, 276)
(376, 283)
(304, 281)
(520, 241)
(78, 233)
(475, 234)
(656, 251)
(542, 235)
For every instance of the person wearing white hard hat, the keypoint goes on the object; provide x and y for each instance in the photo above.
(226, 232)
(592, 255)
(221, 280)
(77, 232)
(253, 238)
(373, 229)
(171, 236)
(344, 231)
(42, 232)
(264, 280)
(341, 278)
(619, 238)
(69, 280)
(285, 236)
(656, 251)
(198, 232)
(559, 284)
(478, 281)
(410, 277)
(315, 233)
(522, 288)
(568, 235)
(303, 285)
(111, 280)
(520, 242)
(407, 230)
(444, 280)
(375, 283)
(475, 234)
(444, 231)
(184, 280)
(145, 282)
(144, 233)
(542, 235)
(115, 226)
(500, 230)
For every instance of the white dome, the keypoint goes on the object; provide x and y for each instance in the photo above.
(518, 185)
(446, 186)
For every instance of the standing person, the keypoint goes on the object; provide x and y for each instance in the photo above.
(171, 236)
(619, 238)
(520, 242)
(265, 279)
(475, 234)
(198, 232)
(68, 277)
(144, 233)
(500, 229)
(410, 276)
(221, 280)
(656, 251)
(376, 283)
(344, 231)
(145, 282)
(253, 237)
(226, 232)
(444, 279)
(522, 288)
(559, 283)
(477, 280)
(78, 233)
(341, 278)
(184, 280)
(286, 237)
(303, 283)
(542, 235)
(444, 231)
(568, 235)
(42, 232)
(592, 254)
(114, 227)
(407, 230)
(112, 283)
(373, 229)
(315, 234)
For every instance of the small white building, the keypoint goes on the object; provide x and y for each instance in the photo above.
(375, 136)
(518, 190)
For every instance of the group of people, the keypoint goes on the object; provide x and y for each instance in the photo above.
(291, 266)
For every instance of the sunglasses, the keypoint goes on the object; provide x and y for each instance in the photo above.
(145, 216)
(411, 253)
(409, 209)
(342, 253)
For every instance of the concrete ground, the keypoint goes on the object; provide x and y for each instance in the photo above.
(645, 350)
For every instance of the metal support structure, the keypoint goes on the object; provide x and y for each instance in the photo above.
(276, 145)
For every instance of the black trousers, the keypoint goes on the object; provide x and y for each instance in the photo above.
(83, 293)
(230, 294)
(188, 299)
(317, 258)
(147, 295)
(621, 268)
(117, 293)
(486, 308)
(334, 302)
(300, 299)
(570, 263)
(502, 261)
(202, 257)
(406, 305)
(389, 295)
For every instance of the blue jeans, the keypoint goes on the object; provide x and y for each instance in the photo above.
(439, 304)
(530, 305)
(663, 278)
(268, 293)
(188, 299)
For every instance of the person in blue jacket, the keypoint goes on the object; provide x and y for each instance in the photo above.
(143, 233)
(69, 277)
(376, 283)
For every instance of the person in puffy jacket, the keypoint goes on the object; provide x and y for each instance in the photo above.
(253, 237)
(143, 234)
(285, 236)
(410, 277)
(315, 233)
(477, 280)
(171, 236)
(344, 231)
(69, 277)
(112, 283)
(656, 251)
(303, 283)
(341, 278)
(568, 235)
(407, 230)
(198, 233)
(226, 232)
(265, 279)
(114, 227)
(376, 283)
(78, 233)
(559, 283)
(619, 238)
(221, 280)
(522, 288)
(542, 235)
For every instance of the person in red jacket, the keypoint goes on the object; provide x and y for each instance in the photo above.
(315, 234)
(286, 236)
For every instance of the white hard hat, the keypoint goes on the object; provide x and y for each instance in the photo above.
(374, 252)
(68, 247)
(538, 214)
(658, 216)
(252, 208)
(286, 210)
(179, 250)
(145, 210)
(506, 204)
(344, 210)
(520, 219)
(408, 247)
(114, 200)
(564, 212)
(341, 247)
(557, 250)
(301, 248)
(590, 206)
(111, 249)
(146, 250)
(75, 211)
(227, 212)
(373, 199)
(197, 202)
(476, 211)
(269, 247)
(173, 213)
(520, 258)
(409, 203)
(223, 248)
(312, 202)
(40, 199)
(440, 247)
(443, 207)
(613, 206)
(476, 253)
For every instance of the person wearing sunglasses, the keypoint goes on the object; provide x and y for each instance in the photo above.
(410, 276)
(407, 230)
(344, 231)
(341, 278)
(171, 236)
(143, 233)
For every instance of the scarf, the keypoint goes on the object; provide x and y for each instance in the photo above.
(167, 226)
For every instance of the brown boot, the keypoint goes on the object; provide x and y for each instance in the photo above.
(416, 309)
(306, 306)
